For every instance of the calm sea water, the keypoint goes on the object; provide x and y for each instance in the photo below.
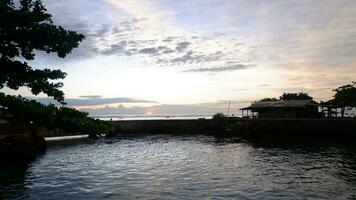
(151, 117)
(183, 167)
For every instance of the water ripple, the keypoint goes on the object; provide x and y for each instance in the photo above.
(186, 167)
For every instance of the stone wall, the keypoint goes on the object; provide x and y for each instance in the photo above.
(254, 128)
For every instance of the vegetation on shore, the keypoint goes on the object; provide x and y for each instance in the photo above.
(218, 116)
(344, 98)
(52, 117)
(25, 29)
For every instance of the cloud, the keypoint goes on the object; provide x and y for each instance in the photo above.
(220, 68)
(166, 109)
(170, 39)
(265, 85)
(91, 100)
(90, 96)
(141, 30)
(151, 50)
(182, 46)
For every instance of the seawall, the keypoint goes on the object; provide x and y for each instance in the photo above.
(249, 128)
(17, 144)
(164, 126)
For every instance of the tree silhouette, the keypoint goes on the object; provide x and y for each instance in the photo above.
(289, 96)
(23, 30)
(267, 99)
(295, 96)
(344, 97)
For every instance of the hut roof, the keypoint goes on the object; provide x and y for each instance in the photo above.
(281, 104)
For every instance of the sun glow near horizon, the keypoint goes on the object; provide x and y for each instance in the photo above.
(191, 53)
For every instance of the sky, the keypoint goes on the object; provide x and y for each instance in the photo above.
(192, 57)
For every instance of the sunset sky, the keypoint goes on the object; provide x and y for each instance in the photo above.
(191, 57)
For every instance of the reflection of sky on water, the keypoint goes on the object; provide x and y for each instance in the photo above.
(189, 167)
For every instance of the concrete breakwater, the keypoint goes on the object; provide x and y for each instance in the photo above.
(249, 128)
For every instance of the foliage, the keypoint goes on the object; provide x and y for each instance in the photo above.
(268, 99)
(289, 96)
(26, 28)
(65, 119)
(219, 116)
(295, 96)
(345, 96)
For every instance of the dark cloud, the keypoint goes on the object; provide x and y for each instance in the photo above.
(90, 48)
(124, 28)
(123, 38)
(192, 57)
(170, 39)
(182, 46)
(151, 50)
(220, 68)
(91, 100)
(158, 50)
(189, 57)
(167, 51)
(90, 96)
(116, 48)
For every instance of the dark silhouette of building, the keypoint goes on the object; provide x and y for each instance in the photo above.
(282, 109)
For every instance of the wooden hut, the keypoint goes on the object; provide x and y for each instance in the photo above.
(282, 109)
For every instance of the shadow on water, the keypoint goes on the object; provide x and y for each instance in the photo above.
(70, 142)
(12, 180)
(13, 174)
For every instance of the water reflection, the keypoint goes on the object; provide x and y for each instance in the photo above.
(12, 180)
(185, 167)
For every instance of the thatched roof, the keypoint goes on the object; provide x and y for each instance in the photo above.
(281, 104)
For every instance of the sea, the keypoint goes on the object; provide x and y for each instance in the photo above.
(185, 166)
(150, 117)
